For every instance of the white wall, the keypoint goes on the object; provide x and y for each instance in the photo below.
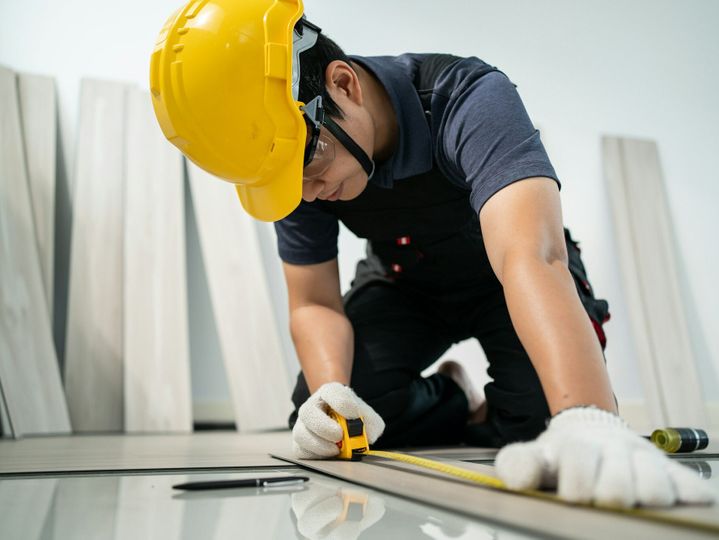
(645, 68)
(642, 69)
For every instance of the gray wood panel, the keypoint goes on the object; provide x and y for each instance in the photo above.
(39, 118)
(249, 335)
(141, 452)
(93, 350)
(28, 365)
(156, 342)
(648, 259)
(539, 516)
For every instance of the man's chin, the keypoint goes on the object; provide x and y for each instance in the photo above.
(352, 189)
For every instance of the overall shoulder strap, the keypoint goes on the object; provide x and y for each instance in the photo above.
(427, 74)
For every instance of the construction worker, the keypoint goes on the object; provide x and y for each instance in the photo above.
(433, 159)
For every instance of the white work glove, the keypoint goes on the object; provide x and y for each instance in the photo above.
(594, 457)
(315, 435)
(327, 513)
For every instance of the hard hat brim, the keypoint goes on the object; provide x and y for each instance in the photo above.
(277, 199)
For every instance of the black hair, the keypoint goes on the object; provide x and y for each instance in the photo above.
(313, 63)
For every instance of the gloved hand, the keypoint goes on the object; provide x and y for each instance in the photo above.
(593, 456)
(315, 435)
(328, 513)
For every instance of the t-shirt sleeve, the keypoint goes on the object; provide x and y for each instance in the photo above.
(308, 235)
(486, 137)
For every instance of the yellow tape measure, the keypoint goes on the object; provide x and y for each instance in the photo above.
(354, 446)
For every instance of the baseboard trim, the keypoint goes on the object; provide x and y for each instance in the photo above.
(213, 412)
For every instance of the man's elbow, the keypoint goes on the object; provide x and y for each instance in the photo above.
(520, 261)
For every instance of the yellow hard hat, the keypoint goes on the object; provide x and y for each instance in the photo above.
(224, 76)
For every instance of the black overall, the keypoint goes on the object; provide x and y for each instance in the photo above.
(426, 284)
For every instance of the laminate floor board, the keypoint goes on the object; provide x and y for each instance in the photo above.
(648, 259)
(29, 373)
(156, 341)
(459, 453)
(543, 517)
(249, 336)
(705, 514)
(87, 453)
(94, 336)
(39, 121)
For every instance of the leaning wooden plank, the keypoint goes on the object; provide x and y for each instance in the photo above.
(29, 371)
(156, 345)
(538, 517)
(621, 210)
(93, 350)
(6, 430)
(249, 336)
(39, 116)
(648, 258)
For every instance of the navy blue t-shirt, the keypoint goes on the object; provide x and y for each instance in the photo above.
(483, 141)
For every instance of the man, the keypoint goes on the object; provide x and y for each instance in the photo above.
(433, 159)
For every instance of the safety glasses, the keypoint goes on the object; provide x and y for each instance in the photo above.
(319, 155)
(320, 148)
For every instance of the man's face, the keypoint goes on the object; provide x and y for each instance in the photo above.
(344, 179)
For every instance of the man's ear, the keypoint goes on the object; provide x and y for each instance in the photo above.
(342, 80)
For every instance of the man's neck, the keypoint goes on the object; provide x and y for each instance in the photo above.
(381, 111)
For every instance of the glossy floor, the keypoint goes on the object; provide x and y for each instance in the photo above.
(146, 506)
(120, 486)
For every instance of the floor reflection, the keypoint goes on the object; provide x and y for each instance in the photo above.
(701, 467)
(146, 506)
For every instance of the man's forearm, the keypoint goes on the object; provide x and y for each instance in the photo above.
(324, 341)
(556, 332)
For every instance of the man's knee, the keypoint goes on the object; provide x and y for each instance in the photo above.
(518, 417)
